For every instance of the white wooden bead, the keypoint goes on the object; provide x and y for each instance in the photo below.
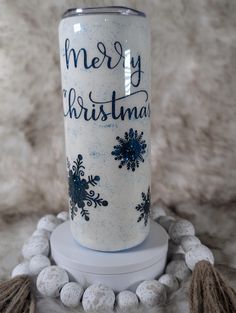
(42, 232)
(187, 242)
(198, 253)
(151, 293)
(180, 228)
(35, 245)
(38, 263)
(48, 222)
(179, 269)
(98, 298)
(71, 294)
(64, 216)
(50, 281)
(127, 301)
(21, 269)
(158, 211)
(173, 248)
(165, 221)
(170, 282)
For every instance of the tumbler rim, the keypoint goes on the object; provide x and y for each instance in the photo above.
(121, 10)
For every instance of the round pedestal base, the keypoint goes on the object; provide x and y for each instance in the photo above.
(119, 270)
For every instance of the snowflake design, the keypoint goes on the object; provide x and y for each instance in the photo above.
(144, 207)
(79, 189)
(130, 149)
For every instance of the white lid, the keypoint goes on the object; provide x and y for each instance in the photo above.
(70, 254)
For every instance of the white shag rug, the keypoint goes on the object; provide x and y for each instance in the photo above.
(193, 121)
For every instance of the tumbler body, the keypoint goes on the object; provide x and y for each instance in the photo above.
(105, 71)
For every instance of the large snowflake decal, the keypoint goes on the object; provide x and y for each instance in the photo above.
(130, 149)
(79, 189)
(144, 208)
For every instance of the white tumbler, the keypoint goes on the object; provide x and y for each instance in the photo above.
(105, 72)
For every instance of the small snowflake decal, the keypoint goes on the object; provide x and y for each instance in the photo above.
(144, 207)
(130, 149)
(79, 189)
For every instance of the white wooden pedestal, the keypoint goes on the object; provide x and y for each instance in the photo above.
(119, 270)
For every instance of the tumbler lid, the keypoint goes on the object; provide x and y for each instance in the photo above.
(103, 10)
(69, 254)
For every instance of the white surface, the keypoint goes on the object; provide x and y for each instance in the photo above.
(98, 298)
(48, 222)
(170, 281)
(179, 229)
(21, 269)
(38, 263)
(198, 253)
(127, 301)
(51, 280)
(145, 261)
(35, 245)
(151, 293)
(187, 242)
(42, 232)
(64, 216)
(71, 294)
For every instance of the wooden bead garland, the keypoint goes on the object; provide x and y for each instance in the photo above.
(53, 281)
(71, 294)
(127, 301)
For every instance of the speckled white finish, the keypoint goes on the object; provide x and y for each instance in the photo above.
(187, 242)
(158, 211)
(165, 221)
(38, 263)
(50, 281)
(179, 229)
(127, 301)
(198, 253)
(21, 269)
(48, 222)
(170, 282)
(115, 226)
(64, 216)
(35, 245)
(151, 293)
(71, 294)
(179, 269)
(42, 232)
(98, 298)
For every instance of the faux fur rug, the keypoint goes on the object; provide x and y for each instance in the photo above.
(193, 118)
(193, 102)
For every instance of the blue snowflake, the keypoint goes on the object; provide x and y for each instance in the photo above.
(144, 208)
(130, 149)
(79, 189)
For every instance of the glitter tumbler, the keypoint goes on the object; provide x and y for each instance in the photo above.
(105, 71)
